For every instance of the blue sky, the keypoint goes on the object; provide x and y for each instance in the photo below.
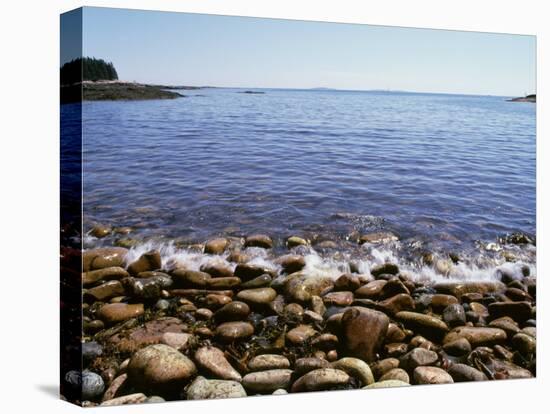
(195, 49)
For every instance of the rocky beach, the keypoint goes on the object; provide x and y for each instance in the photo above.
(252, 315)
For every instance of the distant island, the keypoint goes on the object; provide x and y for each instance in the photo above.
(91, 79)
(528, 98)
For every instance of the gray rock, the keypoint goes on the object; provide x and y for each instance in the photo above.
(92, 385)
(203, 389)
(417, 357)
(212, 360)
(463, 372)
(454, 315)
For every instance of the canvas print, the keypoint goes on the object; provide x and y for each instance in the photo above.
(258, 206)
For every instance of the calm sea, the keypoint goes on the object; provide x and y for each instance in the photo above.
(441, 171)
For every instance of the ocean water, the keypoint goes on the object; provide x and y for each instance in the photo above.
(446, 173)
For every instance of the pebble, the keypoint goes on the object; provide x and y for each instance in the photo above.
(458, 347)
(388, 384)
(371, 290)
(216, 246)
(429, 326)
(118, 312)
(342, 298)
(356, 368)
(321, 379)
(294, 241)
(180, 341)
(525, 344)
(300, 287)
(454, 315)
(92, 385)
(212, 360)
(206, 389)
(291, 263)
(115, 387)
(104, 257)
(304, 365)
(234, 331)
(108, 273)
(364, 331)
(147, 261)
(268, 361)
(160, 368)
(347, 281)
(463, 372)
(300, 334)
(136, 398)
(396, 374)
(384, 269)
(267, 381)
(417, 357)
(259, 240)
(477, 336)
(257, 297)
(519, 311)
(233, 311)
(431, 375)
(397, 303)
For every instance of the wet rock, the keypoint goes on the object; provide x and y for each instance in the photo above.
(91, 350)
(257, 297)
(462, 373)
(267, 362)
(136, 398)
(392, 288)
(103, 258)
(291, 263)
(507, 324)
(115, 387)
(476, 336)
(280, 391)
(519, 311)
(147, 261)
(397, 303)
(426, 325)
(108, 273)
(379, 368)
(215, 301)
(501, 369)
(396, 374)
(304, 365)
(356, 368)
(441, 301)
(204, 389)
(267, 381)
(347, 282)
(312, 317)
(459, 347)
(147, 289)
(378, 238)
(223, 283)
(93, 326)
(190, 279)
(133, 338)
(117, 312)
(338, 298)
(162, 304)
(525, 344)
(385, 269)
(300, 287)
(364, 331)
(260, 281)
(395, 349)
(294, 241)
(212, 361)
(92, 385)
(395, 334)
(454, 315)
(458, 289)
(416, 358)
(388, 384)
(321, 379)
(155, 399)
(238, 257)
(259, 240)
(317, 305)
(178, 340)
(160, 368)
(431, 375)
(100, 231)
(300, 334)
(371, 290)
(294, 311)
(234, 331)
(247, 272)
(217, 269)
(233, 311)
(325, 342)
(479, 309)
(517, 294)
(216, 246)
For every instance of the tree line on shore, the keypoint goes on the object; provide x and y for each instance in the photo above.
(87, 68)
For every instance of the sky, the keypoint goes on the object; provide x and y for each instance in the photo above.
(198, 49)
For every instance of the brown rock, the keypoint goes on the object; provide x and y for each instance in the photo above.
(300, 287)
(364, 332)
(234, 331)
(147, 261)
(426, 325)
(190, 278)
(105, 291)
(300, 334)
(117, 312)
(371, 290)
(476, 336)
(233, 311)
(216, 246)
(342, 298)
(257, 297)
(397, 303)
(267, 381)
(462, 373)
(320, 379)
(268, 361)
(416, 358)
(108, 273)
(518, 311)
(103, 257)
(259, 240)
(378, 238)
(291, 263)
(431, 375)
(217, 269)
(212, 360)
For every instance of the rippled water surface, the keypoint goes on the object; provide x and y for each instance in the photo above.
(444, 169)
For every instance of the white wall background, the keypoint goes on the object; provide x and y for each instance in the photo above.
(29, 137)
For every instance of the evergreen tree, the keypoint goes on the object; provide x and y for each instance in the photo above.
(87, 68)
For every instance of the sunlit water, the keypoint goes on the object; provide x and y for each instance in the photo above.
(444, 172)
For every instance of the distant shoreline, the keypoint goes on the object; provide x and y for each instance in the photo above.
(528, 98)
